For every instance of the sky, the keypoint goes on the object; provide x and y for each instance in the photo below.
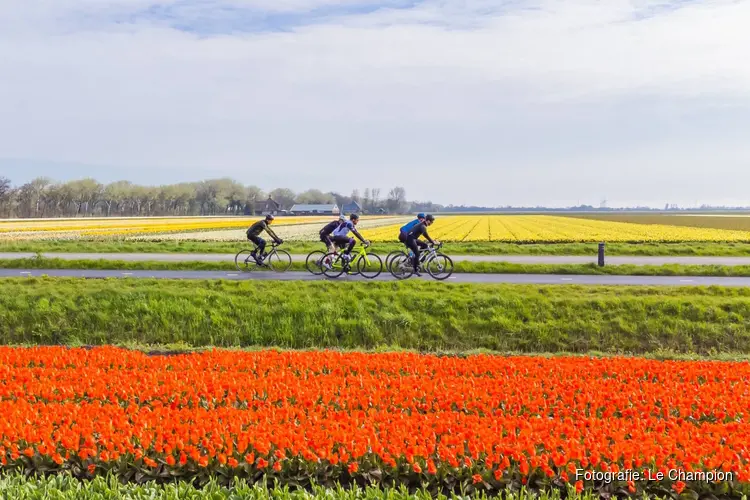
(478, 102)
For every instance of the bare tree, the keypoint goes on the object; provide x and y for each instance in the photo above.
(39, 187)
(315, 196)
(375, 201)
(396, 201)
(86, 197)
(5, 196)
(114, 195)
(285, 197)
(367, 200)
(234, 194)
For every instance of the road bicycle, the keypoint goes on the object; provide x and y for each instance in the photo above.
(408, 254)
(315, 259)
(368, 265)
(276, 260)
(437, 264)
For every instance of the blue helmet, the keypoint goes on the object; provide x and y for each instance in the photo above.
(420, 216)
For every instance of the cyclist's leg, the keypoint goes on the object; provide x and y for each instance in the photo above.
(412, 244)
(341, 241)
(261, 243)
(326, 240)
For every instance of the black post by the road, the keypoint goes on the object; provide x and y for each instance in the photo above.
(601, 254)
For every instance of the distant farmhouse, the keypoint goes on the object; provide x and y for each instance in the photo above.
(301, 209)
(265, 207)
(351, 208)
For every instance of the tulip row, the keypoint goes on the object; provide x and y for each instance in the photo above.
(486, 423)
(553, 229)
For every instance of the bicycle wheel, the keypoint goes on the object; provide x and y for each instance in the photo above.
(370, 266)
(313, 261)
(390, 256)
(244, 261)
(279, 260)
(401, 267)
(332, 265)
(440, 266)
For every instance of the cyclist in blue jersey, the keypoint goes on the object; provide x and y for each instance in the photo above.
(408, 227)
(341, 235)
(413, 243)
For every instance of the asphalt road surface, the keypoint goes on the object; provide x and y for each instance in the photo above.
(517, 259)
(536, 279)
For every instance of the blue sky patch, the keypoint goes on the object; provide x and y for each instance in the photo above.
(207, 17)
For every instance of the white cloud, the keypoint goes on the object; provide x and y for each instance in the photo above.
(473, 89)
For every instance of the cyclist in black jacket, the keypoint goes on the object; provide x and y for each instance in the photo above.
(253, 234)
(328, 229)
(412, 239)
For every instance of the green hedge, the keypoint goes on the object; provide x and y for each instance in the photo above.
(425, 316)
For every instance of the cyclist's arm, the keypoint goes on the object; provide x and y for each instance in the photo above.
(427, 236)
(272, 234)
(356, 233)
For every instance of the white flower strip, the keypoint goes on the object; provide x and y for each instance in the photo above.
(300, 232)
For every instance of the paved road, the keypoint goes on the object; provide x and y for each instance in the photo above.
(518, 259)
(536, 279)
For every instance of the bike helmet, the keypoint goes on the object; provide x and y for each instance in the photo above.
(420, 216)
(354, 217)
(429, 217)
(342, 218)
(269, 217)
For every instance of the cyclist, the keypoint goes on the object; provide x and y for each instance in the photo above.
(408, 227)
(253, 234)
(412, 239)
(341, 236)
(328, 229)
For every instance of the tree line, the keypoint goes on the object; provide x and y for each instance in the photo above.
(43, 197)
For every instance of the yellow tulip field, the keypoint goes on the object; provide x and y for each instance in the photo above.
(452, 228)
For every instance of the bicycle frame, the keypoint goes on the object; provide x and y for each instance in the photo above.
(272, 251)
(431, 251)
(362, 252)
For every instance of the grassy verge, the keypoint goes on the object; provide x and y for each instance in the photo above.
(64, 487)
(460, 267)
(659, 355)
(473, 248)
(125, 265)
(424, 316)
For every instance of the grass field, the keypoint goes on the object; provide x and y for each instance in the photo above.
(473, 248)
(425, 316)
